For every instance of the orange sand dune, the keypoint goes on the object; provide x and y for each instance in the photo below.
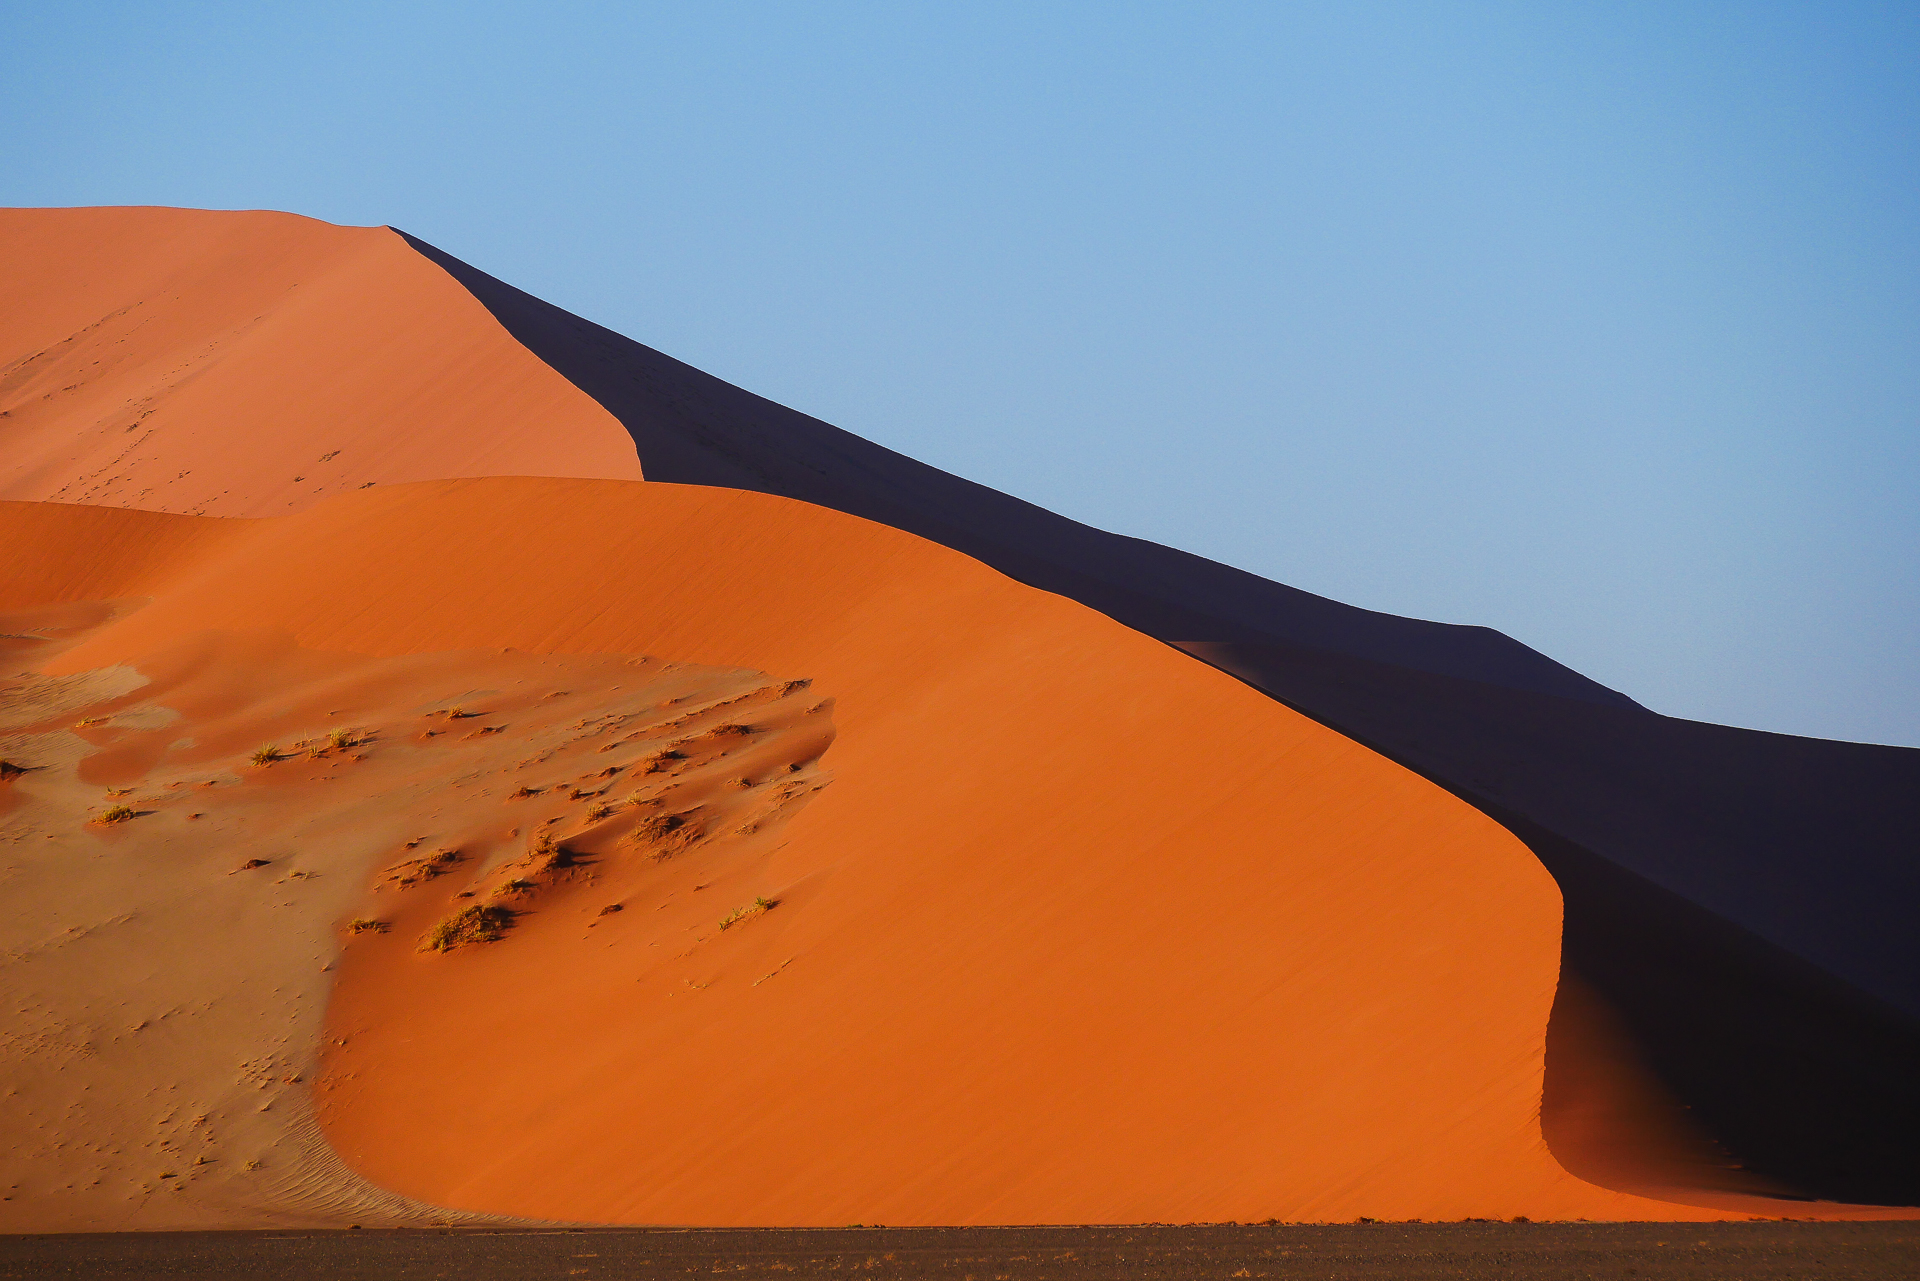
(167, 971)
(245, 364)
(1081, 931)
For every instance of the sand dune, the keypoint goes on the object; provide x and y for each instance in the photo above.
(1081, 930)
(245, 364)
(823, 839)
(1741, 900)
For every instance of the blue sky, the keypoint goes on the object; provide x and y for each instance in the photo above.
(1599, 324)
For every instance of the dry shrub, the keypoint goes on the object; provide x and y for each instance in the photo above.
(549, 854)
(759, 907)
(425, 868)
(667, 834)
(480, 923)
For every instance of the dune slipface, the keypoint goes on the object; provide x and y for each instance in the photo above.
(820, 838)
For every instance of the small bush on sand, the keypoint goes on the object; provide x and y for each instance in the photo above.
(425, 868)
(663, 761)
(667, 834)
(342, 739)
(118, 814)
(548, 853)
(366, 925)
(759, 907)
(481, 923)
(266, 755)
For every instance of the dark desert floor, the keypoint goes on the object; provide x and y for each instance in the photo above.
(1749, 1251)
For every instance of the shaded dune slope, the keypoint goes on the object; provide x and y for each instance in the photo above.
(1081, 931)
(1772, 876)
(1742, 900)
(244, 364)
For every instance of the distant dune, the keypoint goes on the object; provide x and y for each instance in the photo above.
(246, 364)
(535, 840)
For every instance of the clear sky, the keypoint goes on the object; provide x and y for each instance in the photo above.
(1596, 323)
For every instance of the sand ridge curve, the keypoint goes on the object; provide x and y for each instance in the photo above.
(1082, 931)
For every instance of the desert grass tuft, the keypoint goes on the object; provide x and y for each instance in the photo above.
(266, 755)
(117, 814)
(480, 923)
(667, 834)
(759, 907)
(663, 761)
(549, 854)
(424, 868)
(366, 925)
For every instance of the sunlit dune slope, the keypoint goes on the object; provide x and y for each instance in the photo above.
(1079, 931)
(244, 364)
(190, 838)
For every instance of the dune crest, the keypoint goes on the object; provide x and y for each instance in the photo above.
(246, 364)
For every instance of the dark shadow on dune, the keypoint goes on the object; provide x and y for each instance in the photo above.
(1746, 900)
(1743, 900)
(692, 428)
(1808, 1080)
